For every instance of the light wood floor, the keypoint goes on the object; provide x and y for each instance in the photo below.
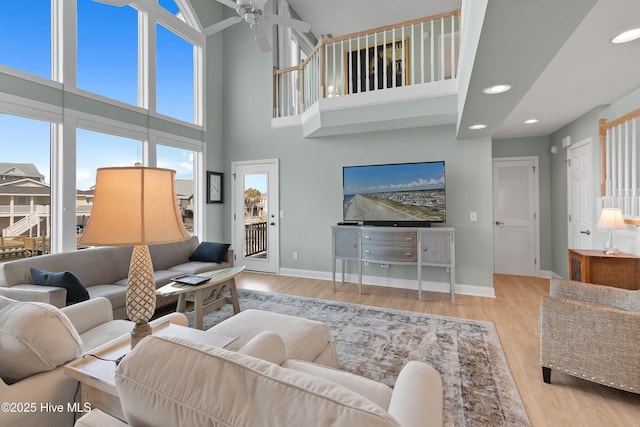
(568, 401)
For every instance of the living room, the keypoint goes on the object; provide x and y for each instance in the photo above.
(239, 128)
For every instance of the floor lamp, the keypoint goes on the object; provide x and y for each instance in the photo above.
(136, 206)
(611, 218)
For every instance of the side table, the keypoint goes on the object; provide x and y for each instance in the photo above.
(97, 377)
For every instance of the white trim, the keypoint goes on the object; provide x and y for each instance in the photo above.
(389, 282)
(29, 108)
(14, 72)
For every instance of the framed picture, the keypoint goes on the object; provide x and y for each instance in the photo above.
(214, 187)
(377, 67)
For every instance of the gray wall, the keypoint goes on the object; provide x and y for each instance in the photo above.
(311, 170)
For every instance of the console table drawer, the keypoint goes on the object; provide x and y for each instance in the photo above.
(389, 254)
(374, 237)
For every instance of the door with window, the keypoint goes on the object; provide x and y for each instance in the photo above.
(255, 214)
(515, 207)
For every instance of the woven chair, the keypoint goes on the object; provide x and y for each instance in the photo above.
(591, 332)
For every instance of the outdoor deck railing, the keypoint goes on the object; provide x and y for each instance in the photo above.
(414, 52)
(255, 238)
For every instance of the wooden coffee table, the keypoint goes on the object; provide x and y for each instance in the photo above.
(97, 377)
(208, 296)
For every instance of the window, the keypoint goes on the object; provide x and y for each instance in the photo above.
(175, 58)
(25, 193)
(108, 50)
(181, 161)
(95, 150)
(25, 36)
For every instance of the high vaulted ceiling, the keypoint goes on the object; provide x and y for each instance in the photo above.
(557, 55)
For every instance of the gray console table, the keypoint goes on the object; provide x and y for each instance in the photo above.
(430, 246)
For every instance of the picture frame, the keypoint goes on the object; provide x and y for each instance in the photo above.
(370, 60)
(214, 187)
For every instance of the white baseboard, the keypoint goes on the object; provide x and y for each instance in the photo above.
(461, 289)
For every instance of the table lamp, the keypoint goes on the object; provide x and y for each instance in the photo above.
(136, 206)
(611, 218)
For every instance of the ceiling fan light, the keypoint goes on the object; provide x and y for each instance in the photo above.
(531, 121)
(626, 36)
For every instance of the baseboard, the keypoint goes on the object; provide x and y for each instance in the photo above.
(461, 289)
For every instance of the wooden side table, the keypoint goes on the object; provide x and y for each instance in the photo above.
(594, 266)
(98, 377)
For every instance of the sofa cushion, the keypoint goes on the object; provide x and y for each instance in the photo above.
(213, 386)
(76, 292)
(34, 337)
(210, 252)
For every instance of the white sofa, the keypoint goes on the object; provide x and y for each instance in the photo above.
(194, 384)
(103, 271)
(36, 340)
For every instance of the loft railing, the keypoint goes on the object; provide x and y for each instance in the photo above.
(413, 52)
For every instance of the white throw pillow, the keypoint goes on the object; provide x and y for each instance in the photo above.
(34, 337)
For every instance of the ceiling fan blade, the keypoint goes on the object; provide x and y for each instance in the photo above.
(116, 3)
(289, 22)
(261, 38)
(212, 29)
(229, 3)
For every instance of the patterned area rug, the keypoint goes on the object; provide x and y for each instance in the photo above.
(376, 343)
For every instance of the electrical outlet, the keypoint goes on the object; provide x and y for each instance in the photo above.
(295, 256)
(473, 216)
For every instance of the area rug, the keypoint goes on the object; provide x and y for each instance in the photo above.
(376, 343)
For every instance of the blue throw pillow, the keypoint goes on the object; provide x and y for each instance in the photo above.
(76, 292)
(210, 252)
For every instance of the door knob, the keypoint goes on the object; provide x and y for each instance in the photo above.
(272, 223)
(587, 232)
(499, 223)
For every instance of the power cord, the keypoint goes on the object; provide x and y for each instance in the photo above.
(116, 361)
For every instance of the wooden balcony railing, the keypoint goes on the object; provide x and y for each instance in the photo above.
(419, 51)
(255, 238)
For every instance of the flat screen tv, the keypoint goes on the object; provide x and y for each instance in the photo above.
(404, 194)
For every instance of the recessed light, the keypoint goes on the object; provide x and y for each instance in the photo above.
(531, 121)
(477, 127)
(495, 89)
(627, 36)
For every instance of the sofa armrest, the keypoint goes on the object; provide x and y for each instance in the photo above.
(36, 293)
(595, 294)
(88, 314)
(174, 318)
(267, 346)
(417, 398)
(228, 257)
(578, 338)
(97, 418)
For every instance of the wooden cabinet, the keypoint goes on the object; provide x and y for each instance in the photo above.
(395, 245)
(594, 266)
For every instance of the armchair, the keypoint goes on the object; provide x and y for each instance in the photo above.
(591, 332)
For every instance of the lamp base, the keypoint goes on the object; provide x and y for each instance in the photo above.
(613, 251)
(140, 330)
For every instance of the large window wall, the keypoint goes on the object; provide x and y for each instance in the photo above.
(90, 78)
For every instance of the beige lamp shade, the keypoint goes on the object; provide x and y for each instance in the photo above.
(611, 218)
(134, 206)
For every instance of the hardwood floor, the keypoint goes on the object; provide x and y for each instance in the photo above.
(568, 401)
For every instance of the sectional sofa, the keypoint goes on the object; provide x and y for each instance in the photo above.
(103, 272)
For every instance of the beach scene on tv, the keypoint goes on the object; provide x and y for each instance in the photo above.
(395, 192)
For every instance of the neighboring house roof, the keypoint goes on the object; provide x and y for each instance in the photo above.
(24, 187)
(184, 188)
(13, 171)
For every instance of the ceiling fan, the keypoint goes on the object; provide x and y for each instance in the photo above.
(252, 12)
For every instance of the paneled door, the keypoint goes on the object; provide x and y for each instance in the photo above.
(515, 207)
(255, 215)
(580, 203)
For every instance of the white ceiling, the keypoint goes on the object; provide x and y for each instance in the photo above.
(556, 54)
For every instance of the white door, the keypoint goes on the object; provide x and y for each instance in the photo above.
(580, 204)
(515, 207)
(255, 214)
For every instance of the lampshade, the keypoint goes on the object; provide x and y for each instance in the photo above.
(611, 218)
(134, 206)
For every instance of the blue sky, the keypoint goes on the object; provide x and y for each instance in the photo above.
(107, 65)
(394, 177)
